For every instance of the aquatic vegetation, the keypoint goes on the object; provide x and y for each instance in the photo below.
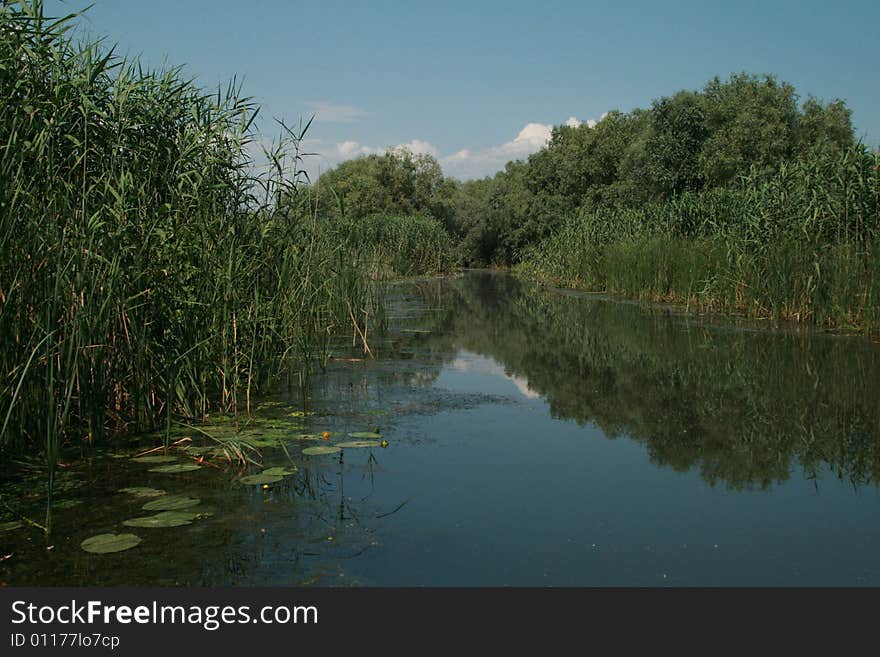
(176, 469)
(107, 543)
(800, 245)
(164, 519)
(151, 275)
(319, 451)
(9, 526)
(358, 443)
(142, 491)
(171, 503)
(154, 459)
(260, 479)
(367, 435)
(281, 471)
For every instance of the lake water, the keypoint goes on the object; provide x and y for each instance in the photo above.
(536, 437)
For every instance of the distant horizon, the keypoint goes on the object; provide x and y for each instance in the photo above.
(476, 87)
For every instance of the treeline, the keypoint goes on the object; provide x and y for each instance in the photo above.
(737, 198)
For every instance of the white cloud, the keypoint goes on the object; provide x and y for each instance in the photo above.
(335, 112)
(469, 163)
(418, 147)
(463, 164)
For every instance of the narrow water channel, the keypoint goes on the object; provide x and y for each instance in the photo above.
(535, 437)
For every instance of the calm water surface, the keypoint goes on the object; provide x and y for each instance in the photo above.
(535, 438)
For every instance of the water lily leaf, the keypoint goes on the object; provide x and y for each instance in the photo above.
(142, 491)
(9, 526)
(301, 413)
(106, 543)
(306, 436)
(368, 435)
(359, 443)
(180, 467)
(164, 519)
(154, 459)
(258, 479)
(323, 449)
(170, 503)
(280, 472)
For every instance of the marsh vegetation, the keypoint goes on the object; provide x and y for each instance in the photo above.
(186, 317)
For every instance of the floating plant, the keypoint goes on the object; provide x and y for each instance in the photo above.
(259, 479)
(154, 459)
(143, 491)
(358, 443)
(170, 503)
(106, 543)
(323, 449)
(280, 471)
(164, 519)
(368, 435)
(180, 467)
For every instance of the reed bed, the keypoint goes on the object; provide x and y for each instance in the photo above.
(148, 275)
(802, 244)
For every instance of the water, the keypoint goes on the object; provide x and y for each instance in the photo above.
(535, 438)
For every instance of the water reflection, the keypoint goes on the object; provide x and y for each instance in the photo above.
(742, 406)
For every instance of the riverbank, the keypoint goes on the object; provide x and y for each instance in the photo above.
(800, 246)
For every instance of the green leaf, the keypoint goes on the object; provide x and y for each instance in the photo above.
(164, 519)
(154, 459)
(171, 503)
(358, 443)
(259, 479)
(106, 543)
(323, 449)
(181, 467)
(143, 491)
(280, 472)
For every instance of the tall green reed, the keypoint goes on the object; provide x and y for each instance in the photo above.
(148, 273)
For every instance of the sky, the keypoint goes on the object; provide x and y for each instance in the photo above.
(476, 84)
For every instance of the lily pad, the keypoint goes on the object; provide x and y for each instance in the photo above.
(154, 459)
(164, 519)
(322, 449)
(359, 443)
(106, 543)
(279, 472)
(366, 435)
(143, 491)
(9, 526)
(180, 467)
(258, 479)
(171, 503)
(306, 436)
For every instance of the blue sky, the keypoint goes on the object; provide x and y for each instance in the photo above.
(476, 84)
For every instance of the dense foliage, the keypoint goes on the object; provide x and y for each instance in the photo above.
(688, 142)
(147, 273)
